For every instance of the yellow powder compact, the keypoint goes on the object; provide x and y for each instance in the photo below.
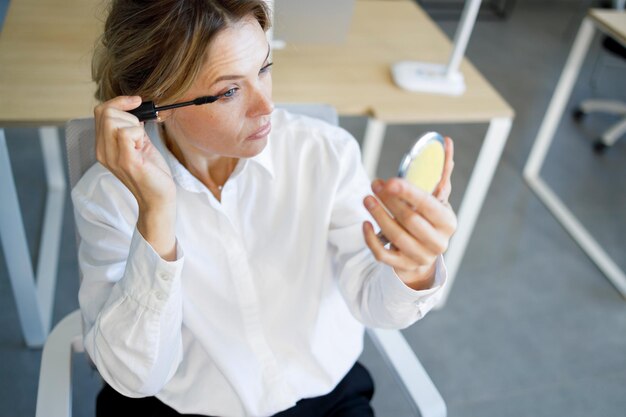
(422, 166)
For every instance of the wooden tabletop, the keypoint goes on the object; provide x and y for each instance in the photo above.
(612, 22)
(46, 48)
(355, 77)
(45, 61)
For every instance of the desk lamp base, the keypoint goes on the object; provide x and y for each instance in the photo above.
(428, 78)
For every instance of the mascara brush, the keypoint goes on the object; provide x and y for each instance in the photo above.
(148, 111)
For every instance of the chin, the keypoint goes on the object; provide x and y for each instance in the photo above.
(254, 147)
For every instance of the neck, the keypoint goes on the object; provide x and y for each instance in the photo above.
(213, 171)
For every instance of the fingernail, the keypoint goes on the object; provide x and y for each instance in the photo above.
(394, 187)
(377, 186)
(370, 203)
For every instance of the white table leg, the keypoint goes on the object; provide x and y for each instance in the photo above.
(540, 148)
(474, 196)
(34, 298)
(559, 99)
(372, 144)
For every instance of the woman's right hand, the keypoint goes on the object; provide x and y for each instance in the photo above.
(123, 147)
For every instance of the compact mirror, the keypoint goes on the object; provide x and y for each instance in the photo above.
(422, 165)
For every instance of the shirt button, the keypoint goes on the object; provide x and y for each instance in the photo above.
(159, 296)
(164, 276)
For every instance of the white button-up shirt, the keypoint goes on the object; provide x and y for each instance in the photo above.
(266, 302)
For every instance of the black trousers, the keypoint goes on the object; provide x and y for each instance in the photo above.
(350, 398)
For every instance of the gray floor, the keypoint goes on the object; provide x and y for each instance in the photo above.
(532, 328)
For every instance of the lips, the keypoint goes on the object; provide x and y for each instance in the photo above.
(262, 132)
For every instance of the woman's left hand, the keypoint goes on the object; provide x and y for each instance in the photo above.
(418, 225)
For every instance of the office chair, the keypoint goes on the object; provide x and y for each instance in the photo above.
(54, 396)
(611, 135)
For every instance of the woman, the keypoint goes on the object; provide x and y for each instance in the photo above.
(228, 261)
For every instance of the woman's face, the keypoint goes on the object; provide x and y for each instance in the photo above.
(237, 125)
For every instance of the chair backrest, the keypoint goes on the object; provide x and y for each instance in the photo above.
(80, 144)
(80, 137)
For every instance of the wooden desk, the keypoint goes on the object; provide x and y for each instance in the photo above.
(355, 77)
(45, 54)
(613, 23)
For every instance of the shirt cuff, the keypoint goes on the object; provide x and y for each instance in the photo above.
(401, 292)
(149, 279)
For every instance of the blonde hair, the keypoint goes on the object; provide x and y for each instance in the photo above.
(155, 48)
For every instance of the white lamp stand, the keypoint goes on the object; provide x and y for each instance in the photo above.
(439, 78)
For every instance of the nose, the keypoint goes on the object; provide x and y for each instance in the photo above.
(261, 102)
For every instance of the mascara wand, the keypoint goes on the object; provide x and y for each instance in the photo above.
(148, 111)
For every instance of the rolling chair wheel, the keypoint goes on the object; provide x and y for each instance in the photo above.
(578, 114)
(599, 146)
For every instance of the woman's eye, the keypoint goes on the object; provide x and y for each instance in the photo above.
(230, 92)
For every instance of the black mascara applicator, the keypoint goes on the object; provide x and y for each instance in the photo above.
(148, 111)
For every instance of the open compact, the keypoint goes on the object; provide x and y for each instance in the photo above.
(422, 166)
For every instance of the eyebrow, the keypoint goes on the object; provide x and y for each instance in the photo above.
(237, 77)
